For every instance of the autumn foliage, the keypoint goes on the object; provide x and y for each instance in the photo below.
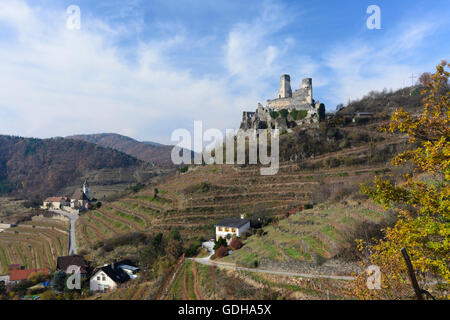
(221, 252)
(236, 244)
(422, 201)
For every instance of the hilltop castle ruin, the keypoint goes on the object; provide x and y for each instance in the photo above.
(288, 110)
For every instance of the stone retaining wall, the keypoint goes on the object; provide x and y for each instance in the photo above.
(330, 267)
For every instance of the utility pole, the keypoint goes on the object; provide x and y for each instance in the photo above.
(412, 79)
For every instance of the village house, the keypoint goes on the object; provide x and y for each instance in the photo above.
(130, 268)
(110, 276)
(56, 202)
(63, 264)
(17, 275)
(79, 201)
(232, 227)
(5, 280)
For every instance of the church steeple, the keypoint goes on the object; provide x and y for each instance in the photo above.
(86, 189)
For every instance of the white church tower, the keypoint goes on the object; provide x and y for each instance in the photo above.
(86, 189)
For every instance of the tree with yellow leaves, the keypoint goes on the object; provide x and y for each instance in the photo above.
(422, 202)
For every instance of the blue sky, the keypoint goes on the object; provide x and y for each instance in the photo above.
(146, 68)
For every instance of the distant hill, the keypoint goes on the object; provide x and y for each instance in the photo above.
(152, 152)
(36, 168)
(155, 144)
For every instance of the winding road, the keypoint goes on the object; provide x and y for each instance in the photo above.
(73, 217)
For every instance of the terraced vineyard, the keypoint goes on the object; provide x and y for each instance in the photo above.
(309, 236)
(195, 200)
(34, 244)
(199, 282)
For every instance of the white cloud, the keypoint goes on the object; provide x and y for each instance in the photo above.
(56, 82)
(254, 52)
(362, 66)
(60, 82)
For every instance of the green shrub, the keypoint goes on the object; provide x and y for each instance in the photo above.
(183, 169)
(175, 235)
(293, 114)
(192, 250)
(220, 243)
(321, 112)
(298, 114)
(302, 114)
(284, 113)
(59, 281)
(274, 114)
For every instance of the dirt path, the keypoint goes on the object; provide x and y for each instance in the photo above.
(170, 279)
(185, 291)
(196, 288)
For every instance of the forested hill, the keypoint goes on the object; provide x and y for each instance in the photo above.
(36, 168)
(154, 153)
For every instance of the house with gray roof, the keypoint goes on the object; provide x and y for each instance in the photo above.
(231, 227)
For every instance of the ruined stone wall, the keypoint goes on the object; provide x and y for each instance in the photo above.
(301, 99)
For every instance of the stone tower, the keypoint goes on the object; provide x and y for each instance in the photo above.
(285, 87)
(86, 189)
(307, 86)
